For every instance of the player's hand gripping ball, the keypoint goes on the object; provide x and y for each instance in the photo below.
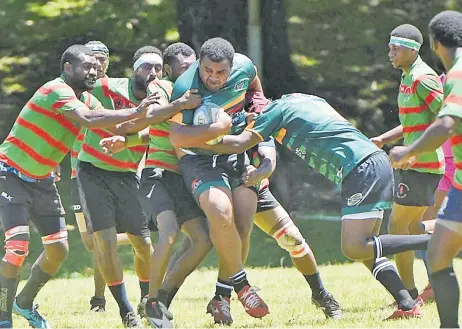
(206, 114)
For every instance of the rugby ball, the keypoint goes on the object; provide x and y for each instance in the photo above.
(206, 114)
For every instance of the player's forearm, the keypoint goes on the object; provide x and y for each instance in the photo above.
(138, 138)
(266, 168)
(108, 118)
(392, 135)
(232, 144)
(195, 136)
(434, 136)
(130, 127)
(160, 113)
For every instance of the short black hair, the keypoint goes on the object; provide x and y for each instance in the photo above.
(217, 49)
(146, 50)
(72, 54)
(446, 28)
(175, 49)
(408, 31)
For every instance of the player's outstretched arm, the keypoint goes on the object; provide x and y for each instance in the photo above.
(431, 139)
(234, 144)
(102, 118)
(388, 137)
(117, 143)
(195, 136)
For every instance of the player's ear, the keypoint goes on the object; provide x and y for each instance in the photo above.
(67, 67)
(167, 70)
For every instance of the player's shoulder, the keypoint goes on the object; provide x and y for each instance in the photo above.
(56, 86)
(244, 64)
(455, 73)
(163, 86)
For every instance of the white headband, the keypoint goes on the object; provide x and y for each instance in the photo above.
(150, 58)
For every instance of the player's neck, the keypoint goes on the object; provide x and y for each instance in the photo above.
(407, 67)
(449, 57)
(78, 92)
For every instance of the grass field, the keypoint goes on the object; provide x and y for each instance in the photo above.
(65, 300)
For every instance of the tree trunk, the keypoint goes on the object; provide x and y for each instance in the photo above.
(280, 74)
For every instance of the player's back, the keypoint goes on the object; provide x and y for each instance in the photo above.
(317, 133)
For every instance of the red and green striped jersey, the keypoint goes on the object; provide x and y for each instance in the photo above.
(419, 100)
(452, 106)
(161, 153)
(76, 147)
(41, 135)
(231, 97)
(114, 94)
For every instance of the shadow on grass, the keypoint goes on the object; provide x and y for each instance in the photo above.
(323, 237)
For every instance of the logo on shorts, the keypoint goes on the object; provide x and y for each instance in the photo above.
(195, 185)
(77, 207)
(355, 199)
(403, 189)
(6, 196)
(300, 153)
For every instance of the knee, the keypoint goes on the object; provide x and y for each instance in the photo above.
(58, 251)
(417, 228)
(202, 242)
(88, 242)
(217, 209)
(142, 245)
(353, 250)
(16, 245)
(291, 240)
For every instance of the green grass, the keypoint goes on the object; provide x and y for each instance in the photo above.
(65, 302)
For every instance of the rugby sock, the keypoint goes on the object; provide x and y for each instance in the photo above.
(120, 295)
(144, 287)
(7, 294)
(414, 293)
(385, 272)
(387, 244)
(239, 281)
(36, 281)
(171, 295)
(315, 282)
(223, 288)
(446, 289)
(162, 296)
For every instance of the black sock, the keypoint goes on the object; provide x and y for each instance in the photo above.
(239, 281)
(414, 293)
(120, 295)
(446, 289)
(151, 310)
(171, 295)
(223, 288)
(7, 295)
(144, 287)
(387, 244)
(37, 279)
(162, 296)
(315, 282)
(385, 272)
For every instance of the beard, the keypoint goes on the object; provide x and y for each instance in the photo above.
(141, 83)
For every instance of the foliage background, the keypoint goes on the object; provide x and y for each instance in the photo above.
(335, 49)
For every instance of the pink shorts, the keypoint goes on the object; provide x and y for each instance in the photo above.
(448, 176)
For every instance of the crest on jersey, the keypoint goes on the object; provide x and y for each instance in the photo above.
(355, 199)
(241, 85)
(403, 190)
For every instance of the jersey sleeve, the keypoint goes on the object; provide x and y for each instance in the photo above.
(266, 124)
(430, 91)
(164, 87)
(184, 118)
(452, 105)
